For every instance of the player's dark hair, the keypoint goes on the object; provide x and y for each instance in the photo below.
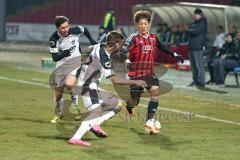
(60, 20)
(142, 15)
(114, 37)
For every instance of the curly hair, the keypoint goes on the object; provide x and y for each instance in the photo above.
(142, 15)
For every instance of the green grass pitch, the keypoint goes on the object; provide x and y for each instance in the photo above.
(26, 131)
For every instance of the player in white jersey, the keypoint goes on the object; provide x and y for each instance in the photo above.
(65, 50)
(100, 104)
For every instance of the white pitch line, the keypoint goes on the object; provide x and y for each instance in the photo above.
(197, 115)
(165, 109)
(24, 82)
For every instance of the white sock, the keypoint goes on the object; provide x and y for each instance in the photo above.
(105, 116)
(86, 125)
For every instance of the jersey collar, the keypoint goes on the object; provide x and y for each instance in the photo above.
(108, 54)
(142, 35)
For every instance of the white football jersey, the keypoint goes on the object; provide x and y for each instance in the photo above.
(71, 42)
(97, 64)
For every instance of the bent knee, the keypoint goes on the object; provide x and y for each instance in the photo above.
(116, 109)
(154, 91)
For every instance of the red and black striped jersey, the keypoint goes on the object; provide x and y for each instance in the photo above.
(141, 53)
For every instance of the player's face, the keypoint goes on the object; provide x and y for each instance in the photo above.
(118, 46)
(63, 29)
(143, 26)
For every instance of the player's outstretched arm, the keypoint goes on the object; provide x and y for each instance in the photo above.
(171, 53)
(118, 80)
(89, 36)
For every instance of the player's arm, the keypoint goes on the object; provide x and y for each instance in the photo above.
(124, 56)
(169, 52)
(57, 54)
(109, 73)
(117, 80)
(84, 30)
(127, 44)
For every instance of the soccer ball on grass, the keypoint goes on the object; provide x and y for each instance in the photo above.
(152, 126)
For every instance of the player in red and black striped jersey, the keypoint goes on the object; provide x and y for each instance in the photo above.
(142, 46)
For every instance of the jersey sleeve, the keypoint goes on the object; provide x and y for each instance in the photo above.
(76, 30)
(107, 70)
(128, 43)
(163, 48)
(53, 43)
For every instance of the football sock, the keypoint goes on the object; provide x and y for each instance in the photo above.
(73, 93)
(152, 108)
(129, 108)
(59, 107)
(86, 125)
(105, 116)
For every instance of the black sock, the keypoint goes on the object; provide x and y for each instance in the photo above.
(129, 107)
(152, 108)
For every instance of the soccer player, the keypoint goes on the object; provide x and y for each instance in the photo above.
(100, 104)
(64, 46)
(141, 46)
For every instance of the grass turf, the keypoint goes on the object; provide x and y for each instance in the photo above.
(26, 132)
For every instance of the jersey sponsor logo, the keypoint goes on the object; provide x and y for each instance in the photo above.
(51, 43)
(147, 48)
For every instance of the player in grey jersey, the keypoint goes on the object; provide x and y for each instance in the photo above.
(64, 47)
(100, 104)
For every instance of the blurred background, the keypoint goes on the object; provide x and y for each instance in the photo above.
(26, 25)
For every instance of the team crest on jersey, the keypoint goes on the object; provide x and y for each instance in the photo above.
(152, 40)
(73, 42)
(141, 41)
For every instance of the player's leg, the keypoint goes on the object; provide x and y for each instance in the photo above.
(92, 103)
(86, 125)
(111, 105)
(58, 94)
(153, 88)
(153, 103)
(135, 94)
(70, 83)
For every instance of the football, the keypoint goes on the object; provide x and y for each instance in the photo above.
(152, 126)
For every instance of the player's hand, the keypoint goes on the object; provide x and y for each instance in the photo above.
(66, 53)
(179, 57)
(140, 83)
